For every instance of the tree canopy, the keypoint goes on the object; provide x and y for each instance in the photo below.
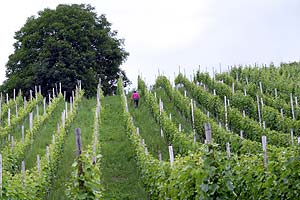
(64, 45)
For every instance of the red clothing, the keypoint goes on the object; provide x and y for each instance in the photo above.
(135, 95)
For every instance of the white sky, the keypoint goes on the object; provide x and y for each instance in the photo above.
(165, 34)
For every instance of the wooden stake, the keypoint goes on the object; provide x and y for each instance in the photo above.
(78, 153)
(8, 117)
(137, 130)
(25, 103)
(30, 121)
(161, 132)
(225, 107)
(258, 109)
(264, 145)
(179, 127)
(242, 134)
(14, 95)
(260, 87)
(23, 135)
(275, 92)
(292, 136)
(208, 136)
(292, 106)
(228, 150)
(30, 91)
(44, 102)
(171, 154)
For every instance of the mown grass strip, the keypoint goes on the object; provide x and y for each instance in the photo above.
(149, 129)
(85, 121)
(120, 173)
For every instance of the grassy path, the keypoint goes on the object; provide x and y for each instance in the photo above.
(119, 170)
(149, 129)
(44, 136)
(84, 120)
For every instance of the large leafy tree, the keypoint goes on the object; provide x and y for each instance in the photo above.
(64, 45)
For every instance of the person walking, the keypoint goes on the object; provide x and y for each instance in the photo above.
(135, 96)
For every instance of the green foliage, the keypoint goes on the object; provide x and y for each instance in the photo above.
(66, 44)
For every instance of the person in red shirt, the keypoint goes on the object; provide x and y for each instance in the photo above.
(135, 96)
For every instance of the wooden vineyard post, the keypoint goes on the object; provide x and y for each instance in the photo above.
(36, 92)
(245, 92)
(260, 87)
(296, 101)
(63, 115)
(6, 98)
(179, 127)
(30, 95)
(292, 136)
(48, 154)
(37, 112)
(247, 82)
(171, 154)
(66, 108)
(264, 146)
(228, 150)
(275, 92)
(258, 109)
(23, 134)
(137, 130)
(49, 96)
(193, 120)
(44, 102)
(23, 172)
(8, 117)
(225, 107)
(232, 87)
(12, 143)
(281, 112)
(30, 121)
(207, 133)
(242, 134)
(25, 102)
(292, 106)
(60, 88)
(78, 153)
(38, 163)
(14, 95)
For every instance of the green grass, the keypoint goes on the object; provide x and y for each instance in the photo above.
(44, 136)
(149, 129)
(120, 173)
(85, 121)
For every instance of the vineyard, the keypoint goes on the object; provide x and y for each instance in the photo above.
(233, 135)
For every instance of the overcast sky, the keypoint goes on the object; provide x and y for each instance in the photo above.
(165, 34)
